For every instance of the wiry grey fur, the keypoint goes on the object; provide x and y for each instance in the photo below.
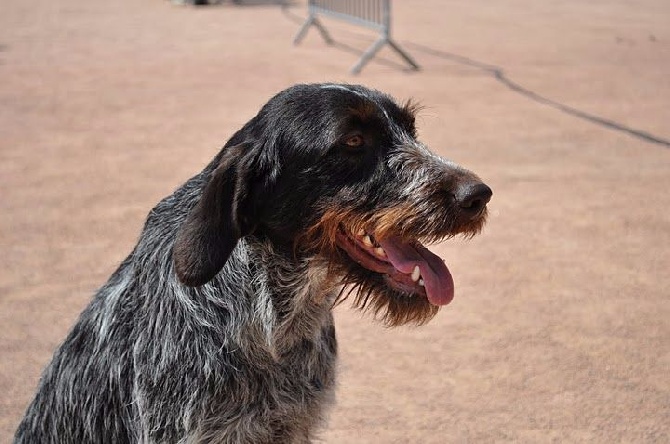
(152, 360)
(248, 356)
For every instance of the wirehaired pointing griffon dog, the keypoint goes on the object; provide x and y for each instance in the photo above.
(217, 328)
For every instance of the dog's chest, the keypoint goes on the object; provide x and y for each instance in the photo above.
(288, 394)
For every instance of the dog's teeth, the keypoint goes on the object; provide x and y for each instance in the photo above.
(421, 282)
(379, 251)
(367, 241)
(416, 273)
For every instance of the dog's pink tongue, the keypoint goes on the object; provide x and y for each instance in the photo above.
(436, 276)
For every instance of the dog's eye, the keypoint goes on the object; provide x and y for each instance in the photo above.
(355, 141)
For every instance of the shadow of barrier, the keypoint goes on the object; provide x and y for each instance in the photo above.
(500, 76)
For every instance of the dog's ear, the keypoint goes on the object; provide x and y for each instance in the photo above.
(220, 218)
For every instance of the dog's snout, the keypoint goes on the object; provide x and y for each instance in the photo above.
(472, 197)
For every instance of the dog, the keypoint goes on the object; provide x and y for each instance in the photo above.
(218, 327)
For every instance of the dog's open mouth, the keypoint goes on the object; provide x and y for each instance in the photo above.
(407, 266)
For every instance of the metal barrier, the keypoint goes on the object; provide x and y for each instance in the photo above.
(373, 14)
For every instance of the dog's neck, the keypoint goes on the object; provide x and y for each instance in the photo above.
(292, 296)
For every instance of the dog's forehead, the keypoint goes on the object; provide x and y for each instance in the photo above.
(368, 105)
(312, 118)
(360, 100)
(350, 90)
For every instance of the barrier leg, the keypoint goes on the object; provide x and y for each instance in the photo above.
(312, 20)
(367, 55)
(403, 54)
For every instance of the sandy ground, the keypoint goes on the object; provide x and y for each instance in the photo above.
(560, 330)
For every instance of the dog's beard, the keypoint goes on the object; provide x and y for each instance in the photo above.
(383, 269)
(371, 292)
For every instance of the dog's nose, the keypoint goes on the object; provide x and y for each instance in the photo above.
(472, 197)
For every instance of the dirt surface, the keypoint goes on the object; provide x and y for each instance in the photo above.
(560, 329)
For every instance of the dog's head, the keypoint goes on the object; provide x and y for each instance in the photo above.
(336, 171)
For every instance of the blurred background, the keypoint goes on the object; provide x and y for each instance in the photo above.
(560, 328)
